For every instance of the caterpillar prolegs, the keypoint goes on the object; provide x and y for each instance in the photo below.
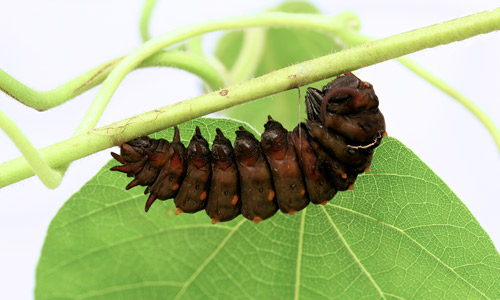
(285, 170)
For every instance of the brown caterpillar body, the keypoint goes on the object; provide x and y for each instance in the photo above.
(285, 170)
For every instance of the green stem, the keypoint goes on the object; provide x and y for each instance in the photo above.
(448, 89)
(200, 66)
(43, 100)
(291, 77)
(354, 38)
(248, 60)
(147, 10)
(19, 91)
(51, 178)
(154, 45)
(182, 60)
(195, 47)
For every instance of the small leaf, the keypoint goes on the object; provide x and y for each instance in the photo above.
(401, 234)
(284, 47)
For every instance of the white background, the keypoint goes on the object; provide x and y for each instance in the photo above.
(45, 43)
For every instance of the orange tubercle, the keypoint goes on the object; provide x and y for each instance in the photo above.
(175, 187)
(179, 211)
(235, 200)
(366, 169)
(203, 195)
(344, 176)
(257, 220)
(302, 192)
(215, 221)
(324, 202)
(292, 212)
(351, 187)
(271, 195)
(384, 134)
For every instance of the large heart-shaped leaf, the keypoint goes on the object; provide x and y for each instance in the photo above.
(401, 234)
(283, 47)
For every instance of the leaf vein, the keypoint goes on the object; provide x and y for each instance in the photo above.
(208, 260)
(411, 239)
(363, 269)
(120, 288)
(129, 240)
(299, 254)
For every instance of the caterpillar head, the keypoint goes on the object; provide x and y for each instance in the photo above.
(348, 95)
(133, 151)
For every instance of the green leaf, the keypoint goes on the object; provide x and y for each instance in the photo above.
(284, 47)
(401, 234)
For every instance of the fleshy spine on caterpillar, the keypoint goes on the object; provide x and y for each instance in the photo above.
(285, 170)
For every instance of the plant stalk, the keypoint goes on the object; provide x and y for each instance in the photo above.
(44, 100)
(301, 74)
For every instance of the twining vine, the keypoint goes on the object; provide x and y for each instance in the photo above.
(88, 140)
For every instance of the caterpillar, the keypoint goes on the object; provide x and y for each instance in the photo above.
(285, 170)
